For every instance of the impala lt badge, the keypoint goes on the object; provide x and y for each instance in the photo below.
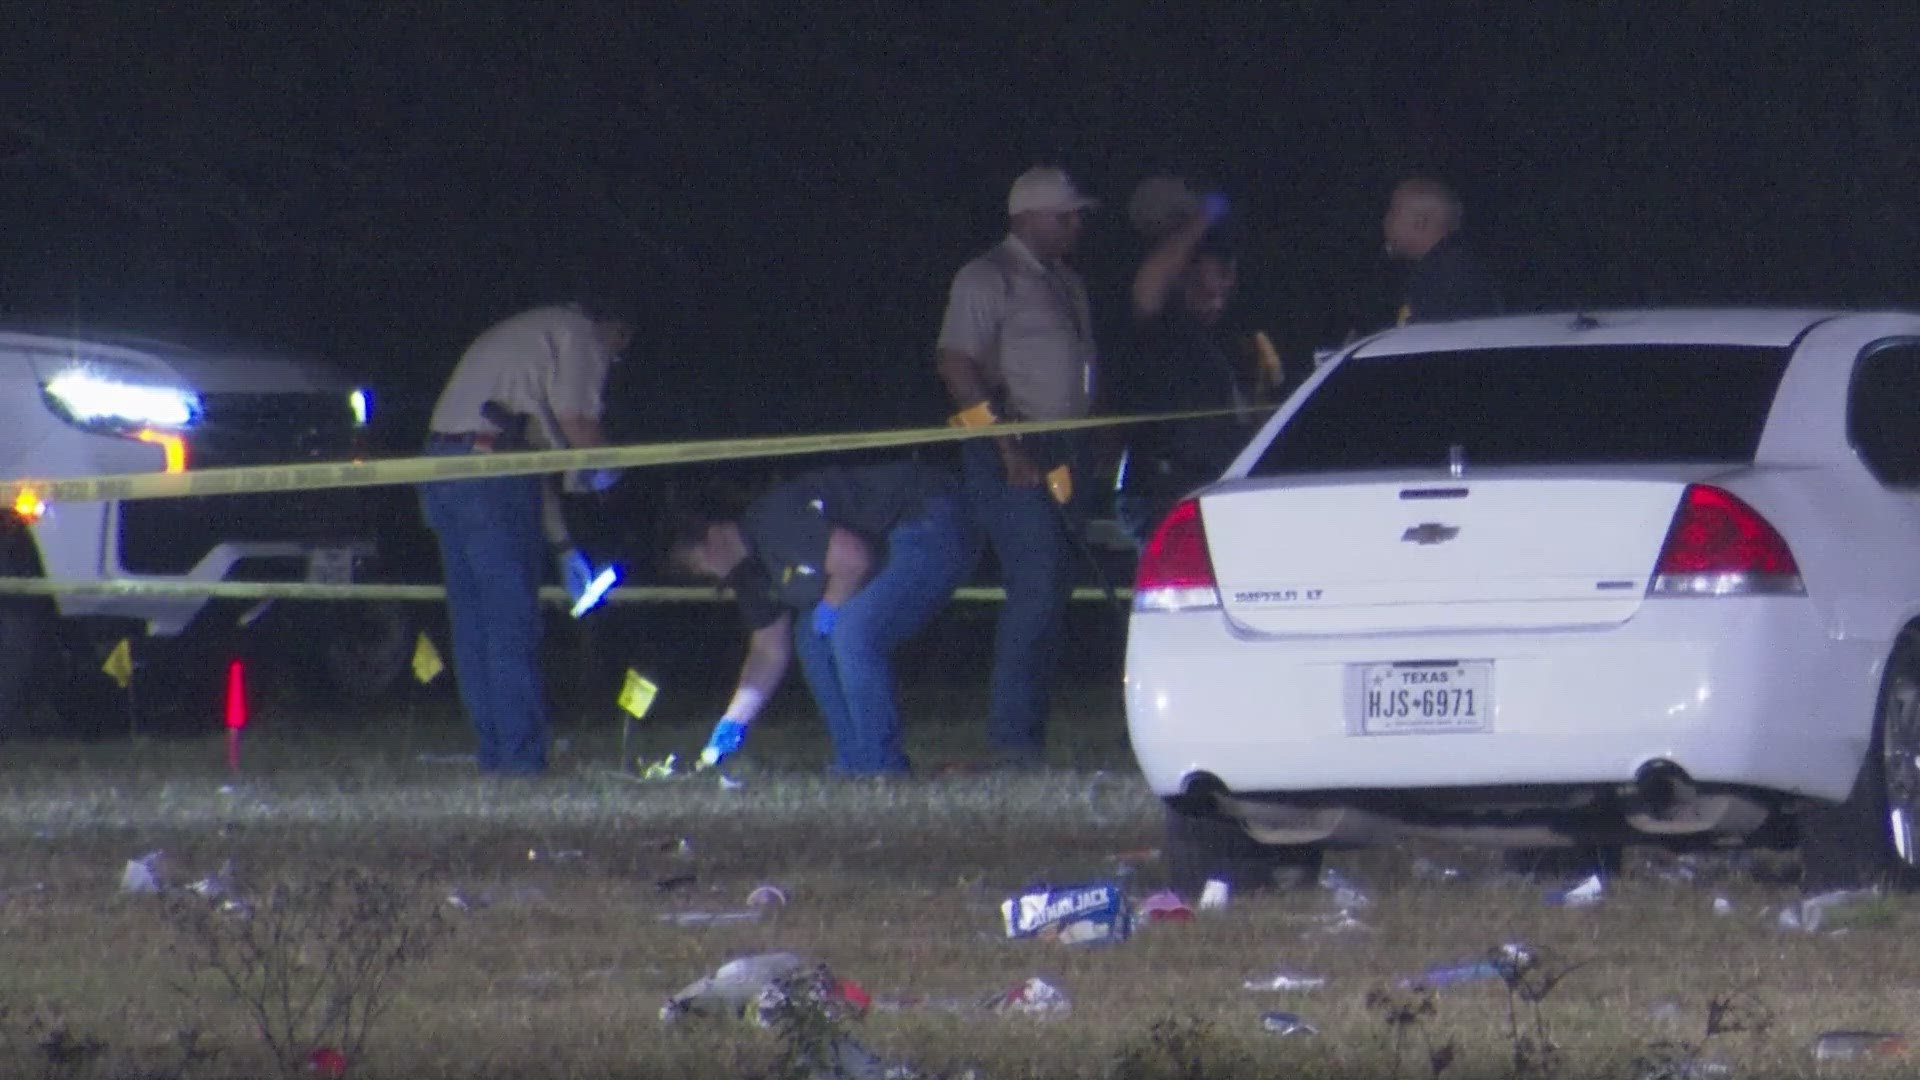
(1430, 532)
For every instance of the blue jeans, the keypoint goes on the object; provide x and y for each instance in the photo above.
(1029, 540)
(851, 670)
(493, 558)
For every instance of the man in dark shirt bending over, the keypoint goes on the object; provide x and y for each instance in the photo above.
(841, 566)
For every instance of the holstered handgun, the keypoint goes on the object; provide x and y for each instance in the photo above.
(513, 426)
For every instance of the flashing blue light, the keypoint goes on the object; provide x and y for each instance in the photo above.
(361, 403)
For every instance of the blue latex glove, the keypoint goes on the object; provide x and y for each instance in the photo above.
(1213, 207)
(596, 591)
(576, 573)
(727, 738)
(598, 480)
(825, 615)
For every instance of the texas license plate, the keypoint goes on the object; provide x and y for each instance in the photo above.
(1424, 697)
(330, 566)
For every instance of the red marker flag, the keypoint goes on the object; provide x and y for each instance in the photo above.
(236, 712)
(236, 696)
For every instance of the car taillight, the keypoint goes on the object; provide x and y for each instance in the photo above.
(1175, 573)
(1720, 546)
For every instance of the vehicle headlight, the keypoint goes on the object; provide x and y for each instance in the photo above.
(99, 400)
(362, 405)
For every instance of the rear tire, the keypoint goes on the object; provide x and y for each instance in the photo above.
(1202, 843)
(1853, 844)
(367, 650)
(349, 653)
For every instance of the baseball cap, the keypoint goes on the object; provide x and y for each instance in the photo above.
(1046, 189)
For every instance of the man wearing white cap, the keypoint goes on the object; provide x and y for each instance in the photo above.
(1017, 344)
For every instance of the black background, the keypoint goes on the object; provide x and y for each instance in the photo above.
(786, 191)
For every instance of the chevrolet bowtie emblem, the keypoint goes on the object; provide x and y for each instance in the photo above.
(1430, 532)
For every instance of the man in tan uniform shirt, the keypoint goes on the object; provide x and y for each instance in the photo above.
(1017, 344)
(549, 364)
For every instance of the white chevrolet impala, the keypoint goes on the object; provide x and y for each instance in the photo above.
(1571, 579)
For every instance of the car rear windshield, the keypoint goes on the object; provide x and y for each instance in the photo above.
(1595, 404)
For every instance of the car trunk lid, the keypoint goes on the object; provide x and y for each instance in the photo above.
(1398, 554)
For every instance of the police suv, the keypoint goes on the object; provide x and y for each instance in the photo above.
(78, 404)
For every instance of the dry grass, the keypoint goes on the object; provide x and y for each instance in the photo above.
(560, 963)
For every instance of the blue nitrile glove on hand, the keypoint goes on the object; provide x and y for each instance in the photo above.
(597, 480)
(576, 573)
(727, 738)
(825, 615)
(596, 590)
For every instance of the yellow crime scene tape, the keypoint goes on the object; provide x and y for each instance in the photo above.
(264, 479)
(259, 479)
(637, 694)
(312, 590)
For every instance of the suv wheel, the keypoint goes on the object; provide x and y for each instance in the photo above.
(367, 648)
(1203, 843)
(1873, 834)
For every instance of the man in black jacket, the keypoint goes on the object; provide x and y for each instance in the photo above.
(1181, 360)
(1444, 279)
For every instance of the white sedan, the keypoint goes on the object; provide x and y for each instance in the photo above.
(1570, 579)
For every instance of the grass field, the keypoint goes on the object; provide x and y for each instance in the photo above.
(558, 959)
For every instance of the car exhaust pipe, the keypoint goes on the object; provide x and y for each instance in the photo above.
(1663, 800)
(1667, 802)
(1348, 826)
(1662, 785)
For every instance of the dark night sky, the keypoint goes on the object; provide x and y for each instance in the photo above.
(788, 194)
